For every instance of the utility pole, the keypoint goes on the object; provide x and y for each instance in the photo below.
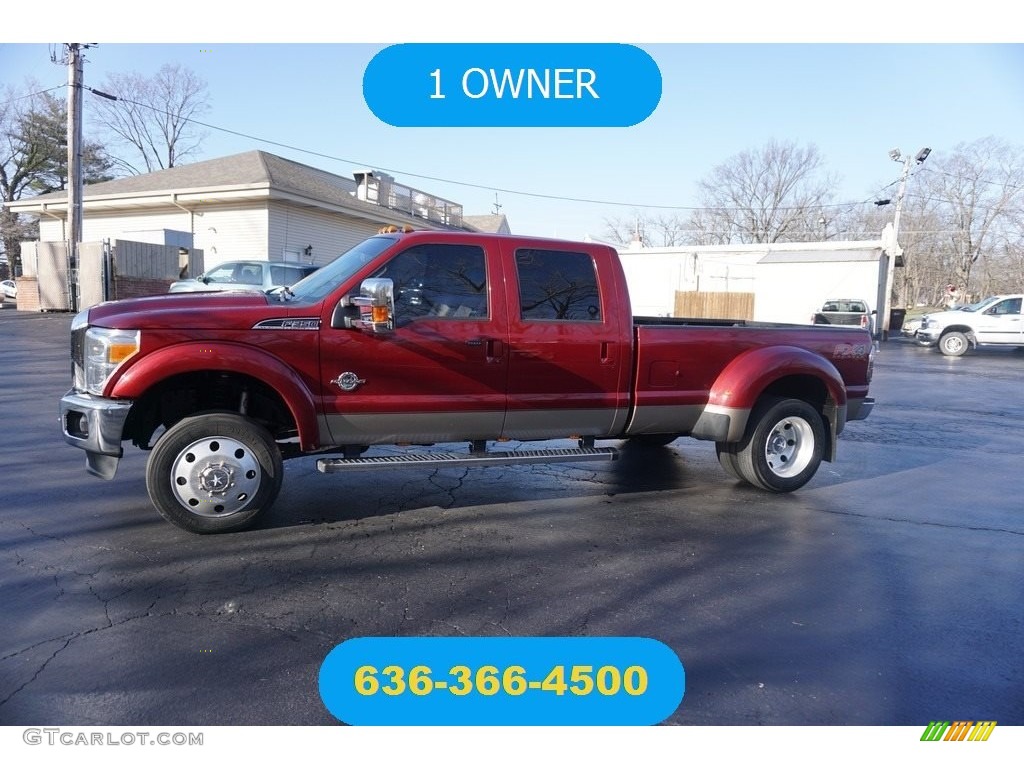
(75, 67)
(908, 162)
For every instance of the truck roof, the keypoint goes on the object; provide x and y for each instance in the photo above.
(453, 236)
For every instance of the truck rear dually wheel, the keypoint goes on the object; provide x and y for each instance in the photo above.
(214, 472)
(783, 446)
(727, 458)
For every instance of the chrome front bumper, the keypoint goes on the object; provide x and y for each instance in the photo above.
(95, 424)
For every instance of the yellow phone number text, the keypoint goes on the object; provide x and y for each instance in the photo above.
(578, 680)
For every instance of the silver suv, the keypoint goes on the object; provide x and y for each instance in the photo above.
(245, 276)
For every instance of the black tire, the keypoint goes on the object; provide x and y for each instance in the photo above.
(213, 473)
(953, 344)
(783, 446)
(727, 458)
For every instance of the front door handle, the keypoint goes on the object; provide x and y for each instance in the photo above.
(493, 348)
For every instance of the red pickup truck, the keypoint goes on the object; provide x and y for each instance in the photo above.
(417, 338)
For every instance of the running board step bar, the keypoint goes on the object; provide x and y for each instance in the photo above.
(483, 459)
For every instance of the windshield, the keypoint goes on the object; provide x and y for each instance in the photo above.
(977, 305)
(326, 279)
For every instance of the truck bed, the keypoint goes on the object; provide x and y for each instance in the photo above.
(679, 360)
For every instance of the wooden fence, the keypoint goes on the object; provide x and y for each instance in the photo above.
(718, 306)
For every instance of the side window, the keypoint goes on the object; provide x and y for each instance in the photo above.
(250, 274)
(224, 274)
(285, 275)
(1006, 307)
(557, 285)
(439, 280)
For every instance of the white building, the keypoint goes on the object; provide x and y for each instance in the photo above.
(785, 282)
(253, 205)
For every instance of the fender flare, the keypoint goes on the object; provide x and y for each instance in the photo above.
(197, 356)
(742, 382)
(966, 330)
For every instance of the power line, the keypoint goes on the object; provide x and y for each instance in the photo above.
(472, 185)
(32, 95)
(980, 181)
(496, 190)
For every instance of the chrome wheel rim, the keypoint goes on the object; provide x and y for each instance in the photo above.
(215, 476)
(789, 447)
(953, 344)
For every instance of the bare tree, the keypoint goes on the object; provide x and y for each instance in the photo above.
(767, 195)
(652, 230)
(980, 188)
(1013, 249)
(152, 116)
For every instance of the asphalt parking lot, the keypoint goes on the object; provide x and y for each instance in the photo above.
(886, 592)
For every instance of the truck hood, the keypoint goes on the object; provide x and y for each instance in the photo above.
(949, 317)
(198, 311)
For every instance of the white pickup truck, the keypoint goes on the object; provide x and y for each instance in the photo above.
(996, 320)
(844, 312)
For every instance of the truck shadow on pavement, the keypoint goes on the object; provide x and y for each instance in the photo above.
(310, 498)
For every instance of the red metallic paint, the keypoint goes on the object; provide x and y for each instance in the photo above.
(490, 365)
(246, 359)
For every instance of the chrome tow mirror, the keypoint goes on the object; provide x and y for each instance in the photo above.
(374, 307)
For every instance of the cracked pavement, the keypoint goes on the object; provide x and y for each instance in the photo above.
(888, 591)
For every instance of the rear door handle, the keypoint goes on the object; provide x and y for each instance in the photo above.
(495, 350)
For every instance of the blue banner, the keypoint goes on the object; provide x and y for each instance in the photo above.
(502, 681)
(512, 85)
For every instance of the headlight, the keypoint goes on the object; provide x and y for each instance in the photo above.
(105, 350)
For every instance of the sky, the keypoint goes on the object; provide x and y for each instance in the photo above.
(853, 99)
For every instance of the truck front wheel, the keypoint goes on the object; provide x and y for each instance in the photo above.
(783, 446)
(214, 472)
(953, 344)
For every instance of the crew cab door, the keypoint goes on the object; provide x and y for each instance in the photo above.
(440, 376)
(569, 357)
(1001, 323)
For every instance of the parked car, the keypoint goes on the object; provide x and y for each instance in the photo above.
(911, 326)
(245, 276)
(10, 289)
(996, 320)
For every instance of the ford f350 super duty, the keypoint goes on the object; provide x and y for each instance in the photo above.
(417, 338)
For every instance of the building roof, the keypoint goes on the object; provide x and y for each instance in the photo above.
(492, 222)
(249, 175)
(248, 169)
(872, 253)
